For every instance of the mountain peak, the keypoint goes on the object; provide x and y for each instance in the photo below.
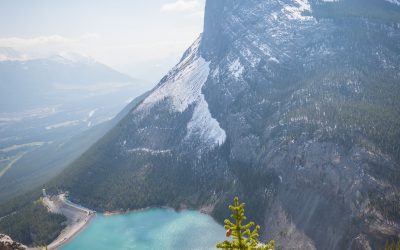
(70, 58)
(287, 103)
(10, 54)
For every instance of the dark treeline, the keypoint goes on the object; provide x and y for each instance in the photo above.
(32, 225)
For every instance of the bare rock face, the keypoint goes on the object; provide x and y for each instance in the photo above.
(291, 104)
(6, 243)
(361, 243)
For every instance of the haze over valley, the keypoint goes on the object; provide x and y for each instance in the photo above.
(148, 124)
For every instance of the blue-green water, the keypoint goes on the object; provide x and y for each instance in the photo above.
(149, 229)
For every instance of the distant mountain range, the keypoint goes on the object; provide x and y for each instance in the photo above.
(48, 108)
(29, 84)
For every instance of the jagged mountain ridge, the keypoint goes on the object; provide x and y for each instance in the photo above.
(291, 104)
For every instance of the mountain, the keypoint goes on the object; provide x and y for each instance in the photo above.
(51, 111)
(24, 216)
(38, 82)
(7, 53)
(293, 105)
(39, 164)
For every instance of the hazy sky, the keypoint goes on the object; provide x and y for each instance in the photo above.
(136, 37)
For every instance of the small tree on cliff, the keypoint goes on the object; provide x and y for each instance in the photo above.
(243, 237)
(393, 246)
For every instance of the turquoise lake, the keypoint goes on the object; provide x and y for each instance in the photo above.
(149, 229)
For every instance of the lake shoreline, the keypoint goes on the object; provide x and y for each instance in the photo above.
(71, 234)
(73, 229)
(204, 210)
(153, 228)
(78, 218)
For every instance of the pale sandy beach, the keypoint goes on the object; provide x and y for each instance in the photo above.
(77, 218)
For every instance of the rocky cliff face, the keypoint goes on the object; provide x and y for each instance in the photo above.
(6, 243)
(293, 105)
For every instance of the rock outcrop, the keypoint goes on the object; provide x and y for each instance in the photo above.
(6, 243)
(291, 104)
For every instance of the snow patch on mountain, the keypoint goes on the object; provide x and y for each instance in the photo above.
(148, 150)
(236, 68)
(296, 12)
(215, 73)
(273, 59)
(250, 57)
(205, 126)
(394, 1)
(183, 88)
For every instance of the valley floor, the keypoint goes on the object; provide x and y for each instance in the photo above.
(77, 218)
(8, 167)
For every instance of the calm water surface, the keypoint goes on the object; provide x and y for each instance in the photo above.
(150, 229)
